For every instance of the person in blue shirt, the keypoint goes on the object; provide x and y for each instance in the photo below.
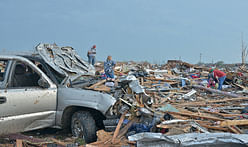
(109, 65)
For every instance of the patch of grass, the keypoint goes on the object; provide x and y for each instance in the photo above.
(80, 141)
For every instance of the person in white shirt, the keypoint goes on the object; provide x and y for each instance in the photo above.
(92, 55)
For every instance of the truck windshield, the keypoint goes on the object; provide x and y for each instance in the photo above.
(57, 75)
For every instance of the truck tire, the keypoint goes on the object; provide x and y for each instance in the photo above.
(83, 125)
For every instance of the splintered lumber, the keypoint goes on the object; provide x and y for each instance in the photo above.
(141, 81)
(102, 88)
(160, 79)
(226, 100)
(235, 129)
(214, 127)
(124, 130)
(117, 130)
(7, 145)
(243, 87)
(164, 126)
(215, 91)
(102, 137)
(234, 123)
(97, 84)
(197, 116)
(58, 142)
(221, 114)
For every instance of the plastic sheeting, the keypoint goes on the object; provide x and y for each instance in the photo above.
(190, 140)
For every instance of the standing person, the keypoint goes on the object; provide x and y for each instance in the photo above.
(109, 65)
(92, 55)
(219, 75)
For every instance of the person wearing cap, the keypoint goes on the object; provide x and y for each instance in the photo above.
(92, 55)
(219, 75)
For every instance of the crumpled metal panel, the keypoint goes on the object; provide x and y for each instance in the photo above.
(190, 140)
(27, 122)
(65, 61)
(133, 83)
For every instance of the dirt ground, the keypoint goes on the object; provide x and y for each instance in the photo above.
(50, 136)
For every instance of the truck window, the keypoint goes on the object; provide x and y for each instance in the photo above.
(3, 66)
(57, 75)
(24, 76)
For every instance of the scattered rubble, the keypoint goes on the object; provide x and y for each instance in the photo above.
(168, 105)
(173, 99)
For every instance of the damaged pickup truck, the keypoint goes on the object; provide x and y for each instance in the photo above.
(35, 93)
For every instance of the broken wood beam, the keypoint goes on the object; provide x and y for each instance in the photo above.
(96, 84)
(214, 127)
(215, 91)
(58, 142)
(102, 88)
(124, 130)
(234, 123)
(226, 100)
(196, 116)
(117, 130)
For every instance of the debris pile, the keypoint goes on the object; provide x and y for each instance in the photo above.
(157, 104)
(173, 99)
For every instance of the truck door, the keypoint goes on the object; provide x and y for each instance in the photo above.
(28, 100)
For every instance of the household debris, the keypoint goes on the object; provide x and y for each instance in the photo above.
(163, 104)
(173, 99)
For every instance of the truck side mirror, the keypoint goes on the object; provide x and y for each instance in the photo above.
(43, 83)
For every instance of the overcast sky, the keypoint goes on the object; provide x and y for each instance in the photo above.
(152, 30)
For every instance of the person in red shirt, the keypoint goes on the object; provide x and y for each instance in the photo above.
(219, 75)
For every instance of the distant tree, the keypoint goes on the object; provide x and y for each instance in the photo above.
(219, 63)
(200, 63)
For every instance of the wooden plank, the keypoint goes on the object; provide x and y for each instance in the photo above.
(180, 117)
(141, 81)
(226, 100)
(221, 114)
(214, 127)
(234, 123)
(6, 145)
(117, 130)
(243, 87)
(233, 130)
(124, 130)
(97, 84)
(58, 142)
(237, 128)
(102, 88)
(197, 116)
(19, 143)
(159, 79)
(165, 126)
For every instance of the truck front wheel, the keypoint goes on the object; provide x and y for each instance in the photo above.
(83, 125)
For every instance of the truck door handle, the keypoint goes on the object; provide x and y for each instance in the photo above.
(2, 99)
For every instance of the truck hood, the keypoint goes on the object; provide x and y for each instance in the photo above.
(65, 61)
(85, 98)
